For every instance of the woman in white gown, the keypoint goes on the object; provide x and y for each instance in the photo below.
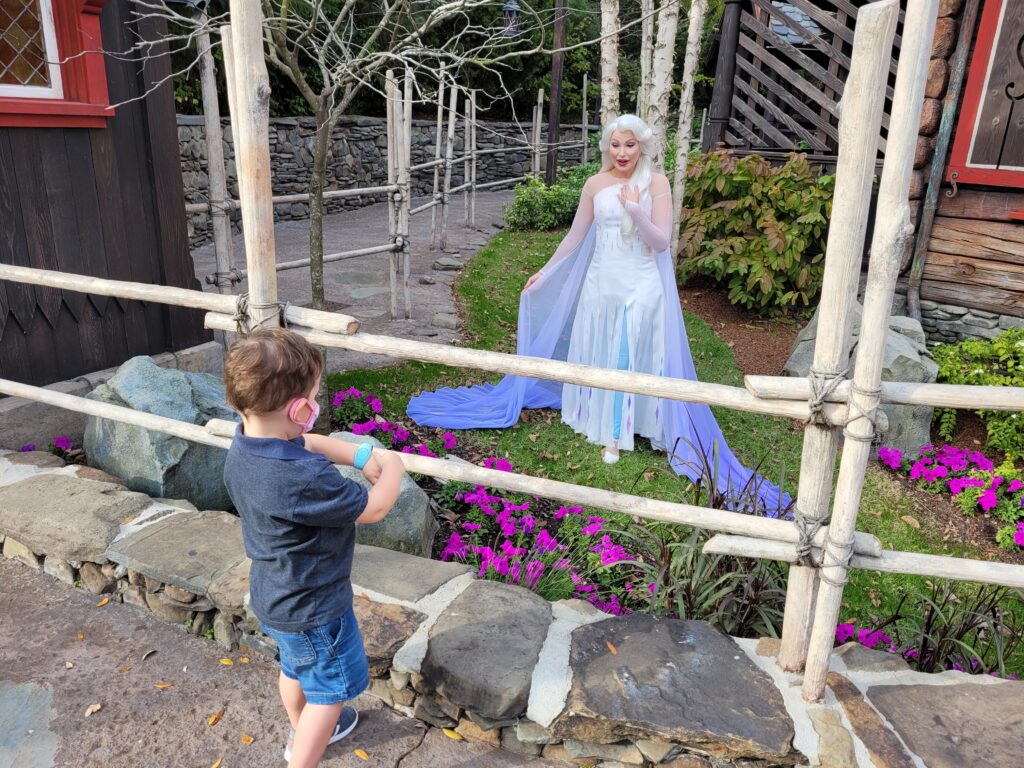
(620, 316)
(608, 298)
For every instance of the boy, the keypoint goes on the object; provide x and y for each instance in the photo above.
(298, 523)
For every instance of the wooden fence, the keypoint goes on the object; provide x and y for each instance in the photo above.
(822, 543)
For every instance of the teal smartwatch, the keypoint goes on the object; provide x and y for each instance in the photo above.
(363, 453)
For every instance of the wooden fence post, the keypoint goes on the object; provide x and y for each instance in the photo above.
(437, 158)
(584, 127)
(889, 239)
(863, 102)
(404, 155)
(467, 141)
(449, 154)
(252, 153)
(474, 160)
(538, 116)
(222, 246)
(725, 71)
(393, 133)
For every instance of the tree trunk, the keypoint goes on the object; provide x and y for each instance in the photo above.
(694, 39)
(643, 96)
(555, 104)
(609, 60)
(661, 77)
(325, 125)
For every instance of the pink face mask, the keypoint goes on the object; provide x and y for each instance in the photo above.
(296, 406)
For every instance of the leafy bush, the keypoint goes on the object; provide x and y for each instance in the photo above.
(995, 362)
(538, 206)
(756, 228)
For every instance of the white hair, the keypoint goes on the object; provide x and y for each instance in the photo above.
(641, 177)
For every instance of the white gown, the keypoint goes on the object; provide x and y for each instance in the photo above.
(620, 317)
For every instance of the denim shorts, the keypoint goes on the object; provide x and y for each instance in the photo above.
(328, 661)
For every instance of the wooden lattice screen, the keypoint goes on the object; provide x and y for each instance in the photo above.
(791, 58)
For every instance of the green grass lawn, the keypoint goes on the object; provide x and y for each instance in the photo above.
(487, 294)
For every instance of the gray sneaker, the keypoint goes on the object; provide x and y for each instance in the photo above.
(347, 721)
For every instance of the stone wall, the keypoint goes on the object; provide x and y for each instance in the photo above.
(950, 323)
(358, 157)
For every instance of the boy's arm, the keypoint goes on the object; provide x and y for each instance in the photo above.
(336, 451)
(384, 493)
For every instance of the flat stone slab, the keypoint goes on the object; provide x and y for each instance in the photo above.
(860, 659)
(385, 628)
(882, 744)
(482, 650)
(965, 724)
(25, 713)
(438, 750)
(190, 550)
(678, 681)
(68, 518)
(400, 576)
(228, 589)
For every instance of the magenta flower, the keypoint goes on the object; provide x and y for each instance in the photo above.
(545, 542)
(528, 522)
(400, 435)
(534, 570)
(353, 392)
(28, 447)
(1018, 536)
(455, 547)
(406, 449)
(448, 441)
(593, 526)
(63, 442)
(563, 511)
(844, 632)
(1014, 486)
(470, 527)
(652, 588)
(988, 500)
(502, 465)
(339, 398)
(376, 406)
(891, 457)
(512, 550)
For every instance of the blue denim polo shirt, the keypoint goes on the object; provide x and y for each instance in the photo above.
(298, 524)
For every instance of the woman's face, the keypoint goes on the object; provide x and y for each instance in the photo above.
(624, 151)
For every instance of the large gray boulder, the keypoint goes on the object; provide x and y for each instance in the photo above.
(153, 462)
(905, 358)
(410, 526)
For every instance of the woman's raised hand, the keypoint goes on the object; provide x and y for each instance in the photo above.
(629, 193)
(533, 279)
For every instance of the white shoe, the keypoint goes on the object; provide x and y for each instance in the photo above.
(608, 456)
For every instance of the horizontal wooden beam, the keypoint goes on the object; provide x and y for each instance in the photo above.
(911, 563)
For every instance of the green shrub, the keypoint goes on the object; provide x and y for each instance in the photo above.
(995, 362)
(758, 229)
(538, 206)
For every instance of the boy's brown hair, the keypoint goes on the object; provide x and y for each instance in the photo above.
(271, 366)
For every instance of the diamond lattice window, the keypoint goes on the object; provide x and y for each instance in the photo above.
(28, 49)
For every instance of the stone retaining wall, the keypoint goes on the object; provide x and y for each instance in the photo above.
(500, 665)
(950, 323)
(358, 157)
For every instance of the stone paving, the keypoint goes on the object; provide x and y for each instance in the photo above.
(359, 287)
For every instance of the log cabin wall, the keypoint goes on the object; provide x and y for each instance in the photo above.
(973, 280)
(104, 202)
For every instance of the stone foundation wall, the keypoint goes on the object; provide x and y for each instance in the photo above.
(357, 157)
(949, 323)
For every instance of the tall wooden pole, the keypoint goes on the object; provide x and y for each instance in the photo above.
(473, 159)
(215, 160)
(449, 155)
(555, 104)
(887, 245)
(404, 155)
(252, 153)
(538, 117)
(394, 138)
(725, 70)
(584, 126)
(863, 101)
(437, 157)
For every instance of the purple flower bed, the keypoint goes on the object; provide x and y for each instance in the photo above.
(61, 447)
(360, 413)
(973, 480)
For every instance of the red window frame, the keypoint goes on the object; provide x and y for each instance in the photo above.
(960, 169)
(86, 103)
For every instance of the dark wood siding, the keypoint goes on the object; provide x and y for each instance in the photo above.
(101, 202)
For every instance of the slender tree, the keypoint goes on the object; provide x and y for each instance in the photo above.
(609, 60)
(661, 75)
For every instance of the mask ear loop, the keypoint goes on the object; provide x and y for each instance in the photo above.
(294, 408)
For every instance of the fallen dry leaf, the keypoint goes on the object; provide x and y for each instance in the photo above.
(227, 662)
(68, 665)
(92, 709)
(611, 647)
(532, 438)
(81, 635)
(125, 669)
(243, 659)
(217, 764)
(361, 754)
(128, 521)
(213, 719)
(162, 685)
(248, 739)
(365, 596)
(452, 734)
(911, 521)
(103, 602)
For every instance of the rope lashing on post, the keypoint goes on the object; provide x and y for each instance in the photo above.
(241, 318)
(857, 411)
(823, 384)
(808, 528)
(830, 560)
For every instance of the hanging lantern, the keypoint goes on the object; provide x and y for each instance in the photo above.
(510, 16)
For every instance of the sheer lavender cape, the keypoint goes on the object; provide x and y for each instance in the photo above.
(546, 314)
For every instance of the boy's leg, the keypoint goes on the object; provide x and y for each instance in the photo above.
(292, 697)
(314, 729)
